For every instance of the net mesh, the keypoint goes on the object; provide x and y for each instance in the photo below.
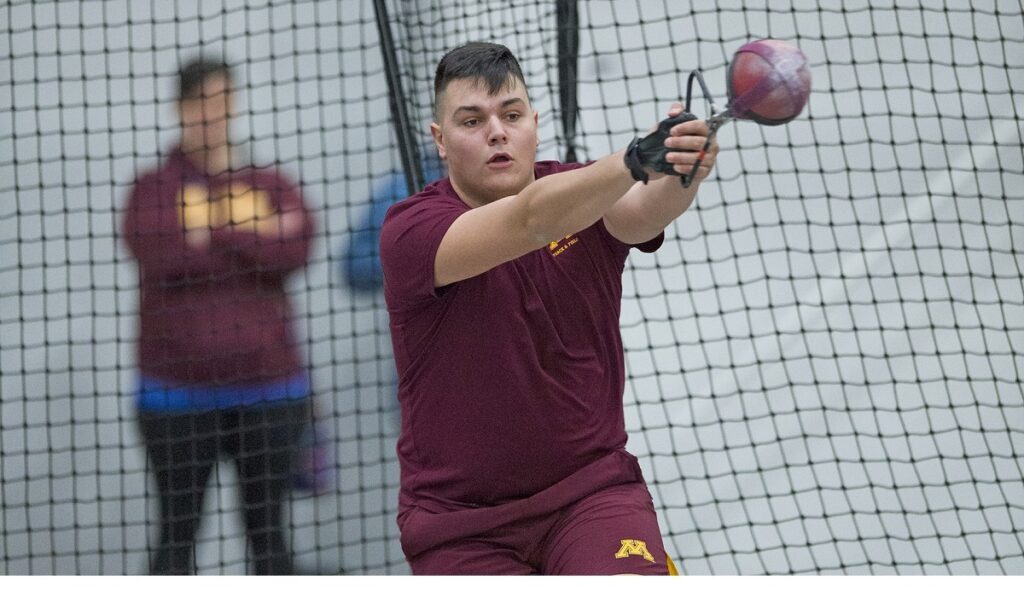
(824, 359)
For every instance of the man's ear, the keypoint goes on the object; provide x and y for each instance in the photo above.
(435, 131)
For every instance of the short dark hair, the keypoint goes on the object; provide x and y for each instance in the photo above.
(488, 63)
(192, 75)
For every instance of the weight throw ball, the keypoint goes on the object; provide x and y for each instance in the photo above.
(768, 82)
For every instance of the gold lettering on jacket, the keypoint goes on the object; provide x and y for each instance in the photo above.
(238, 204)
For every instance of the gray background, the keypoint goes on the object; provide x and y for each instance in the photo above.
(824, 358)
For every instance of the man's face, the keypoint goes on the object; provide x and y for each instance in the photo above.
(489, 141)
(205, 115)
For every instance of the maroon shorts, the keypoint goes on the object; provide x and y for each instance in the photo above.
(613, 530)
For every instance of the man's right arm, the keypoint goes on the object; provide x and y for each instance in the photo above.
(546, 210)
(152, 229)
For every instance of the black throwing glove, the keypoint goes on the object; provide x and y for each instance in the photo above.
(649, 152)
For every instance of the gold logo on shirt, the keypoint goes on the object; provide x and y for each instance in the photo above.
(238, 204)
(559, 246)
(633, 547)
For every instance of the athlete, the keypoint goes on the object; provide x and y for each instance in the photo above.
(503, 283)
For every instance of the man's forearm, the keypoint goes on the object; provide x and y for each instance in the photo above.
(564, 203)
(661, 201)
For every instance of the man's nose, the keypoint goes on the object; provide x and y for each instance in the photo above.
(496, 131)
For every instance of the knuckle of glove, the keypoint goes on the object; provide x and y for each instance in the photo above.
(652, 148)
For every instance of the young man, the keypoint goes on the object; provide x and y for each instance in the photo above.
(504, 283)
(220, 373)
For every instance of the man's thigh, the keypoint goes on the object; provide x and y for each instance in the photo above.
(470, 557)
(613, 531)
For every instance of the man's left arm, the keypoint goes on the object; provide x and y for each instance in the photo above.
(647, 209)
(278, 240)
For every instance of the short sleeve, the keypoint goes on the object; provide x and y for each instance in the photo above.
(652, 245)
(620, 249)
(409, 239)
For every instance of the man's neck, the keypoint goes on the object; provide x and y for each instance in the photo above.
(465, 197)
(211, 161)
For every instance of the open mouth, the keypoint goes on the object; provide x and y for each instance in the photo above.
(499, 159)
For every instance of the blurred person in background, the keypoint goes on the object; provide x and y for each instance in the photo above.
(220, 375)
(361, 268)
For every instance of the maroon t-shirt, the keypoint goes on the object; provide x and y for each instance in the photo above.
(509, 381)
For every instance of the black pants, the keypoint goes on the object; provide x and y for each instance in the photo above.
(183, 450)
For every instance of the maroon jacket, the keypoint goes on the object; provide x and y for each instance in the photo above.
(216, 314)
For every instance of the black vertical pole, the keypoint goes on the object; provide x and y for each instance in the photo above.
(567, 22)
(407, 148)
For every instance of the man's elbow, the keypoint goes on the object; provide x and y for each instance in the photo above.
(544, 223)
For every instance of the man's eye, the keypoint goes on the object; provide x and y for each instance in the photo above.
(513, 116)
(469, 123)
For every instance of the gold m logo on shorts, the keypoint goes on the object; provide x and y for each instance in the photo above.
(633, 546)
